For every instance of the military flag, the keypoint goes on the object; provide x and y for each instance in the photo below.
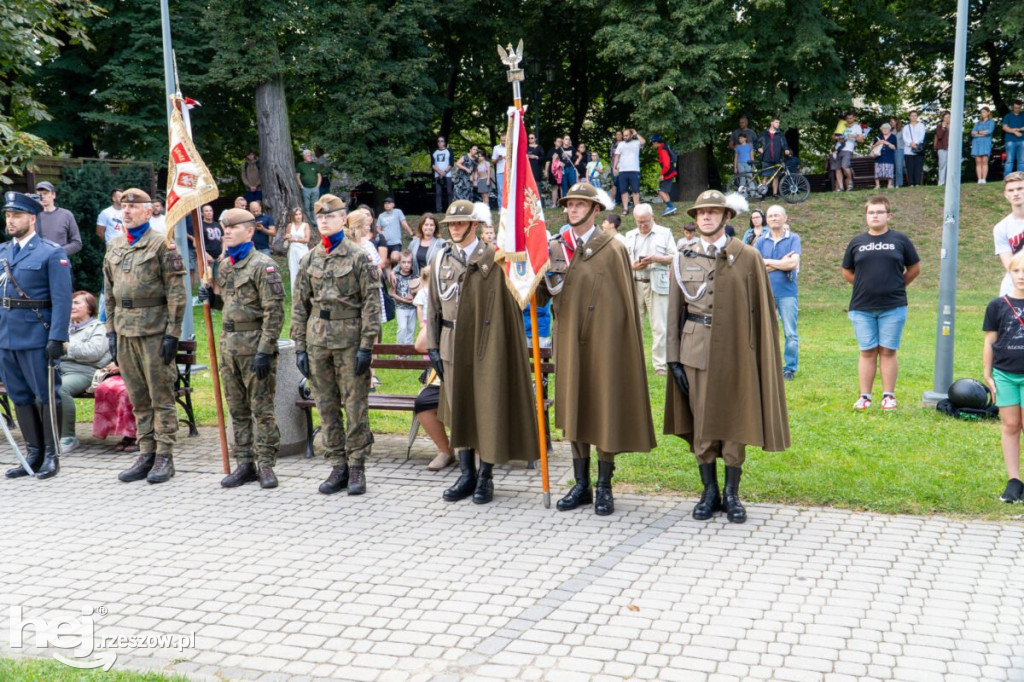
(189, 183)
(522, 233)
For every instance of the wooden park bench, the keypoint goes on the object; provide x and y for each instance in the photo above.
(406, 358)
(185, 359)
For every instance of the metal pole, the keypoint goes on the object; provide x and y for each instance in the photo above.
(945, 327)
(187, 331)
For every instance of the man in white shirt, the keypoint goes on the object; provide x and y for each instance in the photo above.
(651, 250)
(498, 157)
(913, 151)
(109, 223)
(850, 137)
(159, 220)
(441, 163)
(626, 165)
(1009, 232)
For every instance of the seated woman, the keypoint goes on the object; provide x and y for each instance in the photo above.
(87, 351)
(425, 408)
(112, 413)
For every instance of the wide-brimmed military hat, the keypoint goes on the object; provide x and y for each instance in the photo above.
(134, 196)
(459, 211)
(711, 198)
(328, 203)
(25, 203)
(237, 216)
(581, 190)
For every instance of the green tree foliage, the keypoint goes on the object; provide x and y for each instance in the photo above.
(31, 31)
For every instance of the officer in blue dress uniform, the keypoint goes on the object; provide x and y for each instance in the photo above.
(35, 313)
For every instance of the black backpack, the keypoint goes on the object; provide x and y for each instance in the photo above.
(672, 156)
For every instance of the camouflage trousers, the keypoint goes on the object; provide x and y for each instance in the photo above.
(335, 385)
(251, 401)
(150, 385)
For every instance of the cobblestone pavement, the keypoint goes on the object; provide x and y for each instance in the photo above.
(398, 585)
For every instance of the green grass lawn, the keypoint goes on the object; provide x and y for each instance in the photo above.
(27, 670)
(914, 460)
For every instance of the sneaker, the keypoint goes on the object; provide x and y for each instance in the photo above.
(68, 443)
(669, 211)
(889, 403)
(863, 403)
(1014, 491)
(789, 376)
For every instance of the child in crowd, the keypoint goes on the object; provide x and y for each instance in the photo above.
(407, 285)
(611, 223)
(742, 158)
(420, 299)
(594, 170)
(487, 234)
(1003, 360)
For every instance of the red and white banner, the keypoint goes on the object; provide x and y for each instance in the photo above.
(189, 182)
(522, 234)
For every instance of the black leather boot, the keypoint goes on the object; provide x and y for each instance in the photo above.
(139, 470)
(357, 479)
(244, 473)
(32, 431)
(604, 504)
(581, 493)
(466, 483)
(337, 481)
(163, 469)
(734, 510)
(710, 500)
(484, 492)
(51, 458)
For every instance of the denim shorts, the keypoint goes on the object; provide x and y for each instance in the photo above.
(874, 328)
(1009, 388)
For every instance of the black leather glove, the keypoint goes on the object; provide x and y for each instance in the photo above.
(680, 376)
(205, 293)
(363, 358)
(168, 349)
(261, 365)
(302, 362)
(112, 342)
(435, 360)
(54, 350)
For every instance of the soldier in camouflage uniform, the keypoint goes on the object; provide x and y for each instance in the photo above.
(249, 291)
(337, 307)
(145, 304)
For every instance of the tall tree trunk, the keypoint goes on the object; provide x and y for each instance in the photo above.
(692, 167)
(277, 163)
(449, 108)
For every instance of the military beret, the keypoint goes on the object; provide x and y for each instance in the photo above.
(328, 203)
(134, 196)
(23, 203)
(237, 216)
(459, 211)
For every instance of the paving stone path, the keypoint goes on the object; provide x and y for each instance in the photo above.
(399, 585)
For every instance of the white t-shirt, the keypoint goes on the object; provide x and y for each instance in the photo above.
(850, 137)
(498, 155)
(421, 301)
(629, 156)
(1008, 235)
(442, 158)
(112, 221)
(159, 223)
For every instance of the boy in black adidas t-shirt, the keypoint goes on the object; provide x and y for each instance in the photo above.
(880, 263)
(1003, 359)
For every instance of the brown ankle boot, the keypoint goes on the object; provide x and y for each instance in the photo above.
(139, 470)
(337, 481)
(163, 469)
(267, 478)
(357, 480)
(243, 473)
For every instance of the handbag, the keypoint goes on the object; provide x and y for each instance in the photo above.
(876, 151)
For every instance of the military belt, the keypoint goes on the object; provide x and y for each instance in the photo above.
(247, 326)
(641, 279)
(141, 302)
(702, 319)
(448, 324)
(340, 314)
(8, 303)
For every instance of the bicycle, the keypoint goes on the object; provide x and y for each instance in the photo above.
(793, 186)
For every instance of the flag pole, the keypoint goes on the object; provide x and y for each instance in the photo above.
(211, 341)
(511, 58)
